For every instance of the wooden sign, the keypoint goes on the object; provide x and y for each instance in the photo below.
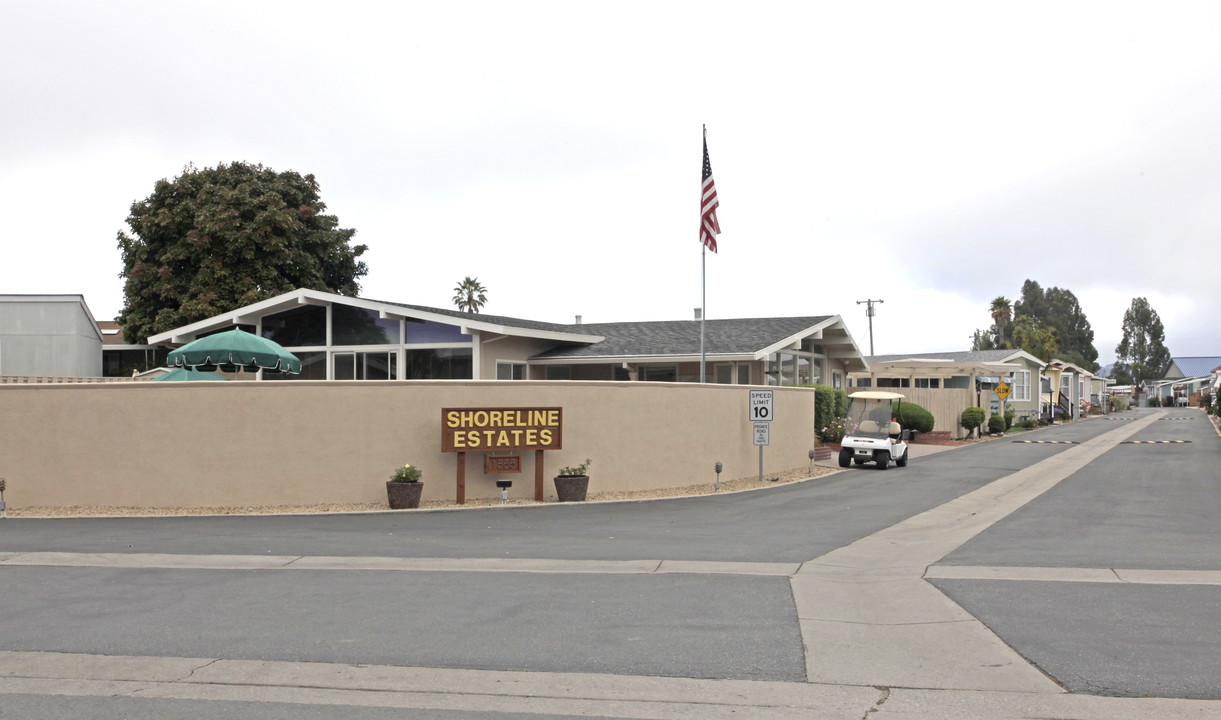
(501, 464)
(494, 429)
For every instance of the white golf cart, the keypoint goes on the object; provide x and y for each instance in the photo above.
(872, 432)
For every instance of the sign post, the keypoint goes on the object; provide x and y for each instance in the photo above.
(1002, 392)
(761, 413)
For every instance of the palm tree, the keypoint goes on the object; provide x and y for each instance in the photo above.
(469, 295)
(1002, 315)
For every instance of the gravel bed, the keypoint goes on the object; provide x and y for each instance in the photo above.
(727, 486)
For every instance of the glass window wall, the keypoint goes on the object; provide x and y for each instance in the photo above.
(366, 366)
(439, 364)
(313, 367)
(420, 331)
(358, 326)
(301, 326)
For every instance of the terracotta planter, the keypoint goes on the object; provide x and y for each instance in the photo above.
(571, 488)
(404, 495)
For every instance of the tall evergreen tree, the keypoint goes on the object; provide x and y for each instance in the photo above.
(1142, 353)
(1058, 308)
(216, 239)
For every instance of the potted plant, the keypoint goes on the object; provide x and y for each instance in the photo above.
(404, 488)
(571, 484)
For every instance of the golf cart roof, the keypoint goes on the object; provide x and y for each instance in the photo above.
(876, 395)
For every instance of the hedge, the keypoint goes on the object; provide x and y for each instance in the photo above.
(914, 417)
(996, 424)
(829, 404)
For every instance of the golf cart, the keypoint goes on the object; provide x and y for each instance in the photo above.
(872, 432)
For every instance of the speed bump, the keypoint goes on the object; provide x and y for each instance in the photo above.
(1047, 442)
(1155, 442)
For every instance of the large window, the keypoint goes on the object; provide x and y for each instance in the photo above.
(358, 326)
(420, 331)
(313, 367)
(1021, 386)
(744, 374)
(366, 365)
(439, 364)
(931, 383)
(302, 326)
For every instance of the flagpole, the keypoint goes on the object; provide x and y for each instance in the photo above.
(703, 279)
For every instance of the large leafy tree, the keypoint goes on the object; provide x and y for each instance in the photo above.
(215, 239)
(470, 295)
(1036, 338)
(1059, 309)
(1142, 353)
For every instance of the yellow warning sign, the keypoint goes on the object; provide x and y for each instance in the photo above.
(1002, 390)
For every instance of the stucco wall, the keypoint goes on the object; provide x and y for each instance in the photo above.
(251, 443)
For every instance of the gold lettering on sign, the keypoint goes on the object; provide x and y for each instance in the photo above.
(498, 429)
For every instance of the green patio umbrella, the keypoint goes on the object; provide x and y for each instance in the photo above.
(232, 350)
(183, 374)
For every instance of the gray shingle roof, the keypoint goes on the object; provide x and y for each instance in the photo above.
(682, 337)
(959, 356)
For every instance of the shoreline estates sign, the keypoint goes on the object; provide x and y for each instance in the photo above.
(494, 429)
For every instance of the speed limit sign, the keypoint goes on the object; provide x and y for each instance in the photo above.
(761, 406)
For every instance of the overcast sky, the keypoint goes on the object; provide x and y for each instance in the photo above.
(933, 155)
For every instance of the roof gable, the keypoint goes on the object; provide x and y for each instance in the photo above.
(1198, 366)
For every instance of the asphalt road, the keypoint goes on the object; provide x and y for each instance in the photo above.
(1138, 506)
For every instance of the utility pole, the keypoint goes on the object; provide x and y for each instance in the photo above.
(869, 311)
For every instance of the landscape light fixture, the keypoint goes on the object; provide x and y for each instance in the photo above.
(811, 461)
(504, 486)
(4, 508)
(870, 312)
(717, 467)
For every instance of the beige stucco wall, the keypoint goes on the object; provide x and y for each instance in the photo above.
(261, 443)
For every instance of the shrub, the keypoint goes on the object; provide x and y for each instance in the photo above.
(1010, 414)
(835, 431)
(1155, 401)
(914, 417)
(1027, 424)
(407, 474)
(830, 404)
(996, 424)
(972, 418)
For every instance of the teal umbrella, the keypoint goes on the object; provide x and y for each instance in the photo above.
(187, 374)
(232, 350)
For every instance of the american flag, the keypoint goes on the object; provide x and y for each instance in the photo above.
(709, 227)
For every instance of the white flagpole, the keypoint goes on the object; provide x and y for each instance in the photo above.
(703, 273)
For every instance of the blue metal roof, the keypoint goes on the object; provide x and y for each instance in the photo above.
(1196, 366)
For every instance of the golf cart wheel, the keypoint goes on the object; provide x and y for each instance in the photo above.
(883, 459)
(902, 462)
(845, 458)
